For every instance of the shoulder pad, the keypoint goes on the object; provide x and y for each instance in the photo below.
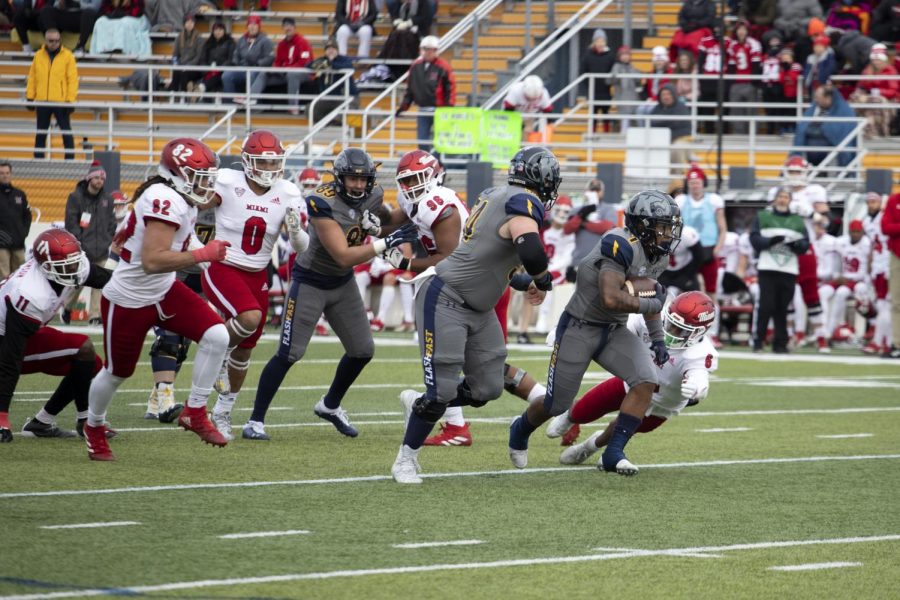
(616, 248)
(318, 207)
(526, 205)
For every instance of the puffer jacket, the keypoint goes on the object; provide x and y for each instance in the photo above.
(259, 53)
(52, 80)
(97, 236)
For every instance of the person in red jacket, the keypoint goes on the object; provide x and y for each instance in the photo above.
(890, 226)
(292, 53)
(431, 84)
(880, 89)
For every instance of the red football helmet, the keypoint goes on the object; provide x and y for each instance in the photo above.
(561, 210)
(59, 256)
(263, 157)
(796, 170)
(309, 179)
(687, 318)
(120, 204)
(418, 174)
(192, 167)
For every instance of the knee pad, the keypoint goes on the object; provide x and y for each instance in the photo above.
(167, 344)
(217, 335)
(429, 409)
(511, 383)
(183, 351)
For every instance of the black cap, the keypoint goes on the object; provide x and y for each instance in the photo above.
(288, 21)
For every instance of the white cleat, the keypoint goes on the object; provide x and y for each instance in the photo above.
(169, 410)
(559, 425)
(406, 467)
(624, 467)
(152, 405)
(407, 399)
(577, 454)
(519, 458)
(222, 422)
(222, 384)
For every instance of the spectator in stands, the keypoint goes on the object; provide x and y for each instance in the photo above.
(26, 17)
(890, 226)
(253, 49)
(188, 52)
(53, 77)
(886, 21)
(431, 84)
(660, 67)
(744, 59)
(402, 44)
(6, 15)
(528, 96)
(696, 20)
(826, 103)
(760, 14)
(233, 5)
(794, 17)
(292, 53)
(781, 75)
(670, 106)
(170, 15)
(328, 69)
(73, 16)
(218, 51)
(710, 63)
(91, 218)
(599, 59)
(15, 222)
(683, 77)
(880, 89)
(418, 13)
(854, 49)
(122, 27)
(849, 15)
(820, 65)
(627, 89)
(355, 18)
(589, 223)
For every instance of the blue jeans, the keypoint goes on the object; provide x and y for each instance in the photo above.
(234, 81)
(424, 125)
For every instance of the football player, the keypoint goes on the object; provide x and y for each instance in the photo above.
(684, 263)
(308, 181)
(157, 240)
(683, 380)
(591, 327)
(31, 297)
(879, 271)
(458, 329)
(323, 278)
(251, 206)
(855, 251)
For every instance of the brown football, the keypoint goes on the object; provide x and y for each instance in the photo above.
(640, 287)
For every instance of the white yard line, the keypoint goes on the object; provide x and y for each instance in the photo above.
(340, 480)
(438, 544)
(816, 566)
(724, 429)
(91, 525)
(207, 583)
(844, 436)
(259, 534)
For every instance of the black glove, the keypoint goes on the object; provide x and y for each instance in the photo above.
(660, 352)
(799, 246)
(571, 273)
(661, 292)
(30, 105)
(405, 235)
(544, 283)
(775, 240)
(587, 210)
(402, 109)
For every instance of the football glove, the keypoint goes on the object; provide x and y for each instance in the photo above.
(299, 239)
(396, 258)
(371, 224)
(691, 389)
(660, 352)
(405, 235)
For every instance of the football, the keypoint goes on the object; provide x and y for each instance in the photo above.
(640, 287)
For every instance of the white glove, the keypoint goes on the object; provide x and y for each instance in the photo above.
(371, 224)
(692, 389)
(396, 258)
(299, 239)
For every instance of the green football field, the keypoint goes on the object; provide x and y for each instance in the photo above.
(784, 483)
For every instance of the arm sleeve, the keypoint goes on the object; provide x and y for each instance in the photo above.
(655, 329)
(573, 224)
(97, 277)
(12, 350)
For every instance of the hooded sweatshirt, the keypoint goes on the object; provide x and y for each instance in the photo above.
(679, 128)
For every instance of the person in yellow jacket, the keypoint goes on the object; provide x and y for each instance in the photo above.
(53, 77)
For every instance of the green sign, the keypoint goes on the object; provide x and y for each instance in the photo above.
(501, 136)
(495, 135)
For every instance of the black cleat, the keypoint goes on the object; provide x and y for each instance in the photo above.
(5, 435)
(35, 428)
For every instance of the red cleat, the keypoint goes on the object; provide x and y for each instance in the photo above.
(872, 348)
(376, 325)
(321, 330)
(98, 447)
(451, 435)
(571, 435)
(196, 420)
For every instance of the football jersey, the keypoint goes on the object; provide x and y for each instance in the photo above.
(730, 252)
(559, 247)
(324, 203)
(516, 99)
(205, 230)
(131, 286)
(880, 253)
(828, 259)
(683, 256)
(30, 293)
(744, 57)
(698, 360)
(251, 223)
(479, 269)
(711, 60)
(425, 213)
(854, 257)
(618, 250)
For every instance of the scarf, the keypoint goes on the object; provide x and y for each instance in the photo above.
(357, 9)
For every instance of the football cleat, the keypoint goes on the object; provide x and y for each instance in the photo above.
(196, 420)
(571, 436)
(823, 345)
(518, 445)
(376, 325)
(98, 447)
(872, 348)
(254, 430)
(152, 405)
(577, 454)
(36, 429)
(615, 462)
(222, 421)
(559, 425)
(451, 435)
(79, 429)
(321, 330)
(167, 408)
(407, 399)
(337, 417)
(5, 435)
(222, 384)
(406, 467)
(406, 327)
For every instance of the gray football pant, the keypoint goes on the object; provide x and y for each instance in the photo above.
(454, 339)
(342, 306)
(614, 347)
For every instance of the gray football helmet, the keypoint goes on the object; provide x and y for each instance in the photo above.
(536, 169)
(654, 218)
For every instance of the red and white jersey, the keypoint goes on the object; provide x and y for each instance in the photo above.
(251, 223)
(880, 253)
(730, 252)
(828, 258)
(709, 49)
(744, 57)
(559, 247)
(694, 362)
(683, 256)
(30, 293)
(745, 248)
(428, 211)
(131, 286)
(854, 257)
(516, 100)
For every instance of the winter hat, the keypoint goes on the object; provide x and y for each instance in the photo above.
(660, 52)
(95, 170)
(822, 40)
(623, 48)
(598, 33)
(878, 51)
(856, 225)
(254, 19)
(816, 26)
(695, 172)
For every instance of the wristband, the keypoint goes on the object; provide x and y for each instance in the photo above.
(544, 282)
(649, 306)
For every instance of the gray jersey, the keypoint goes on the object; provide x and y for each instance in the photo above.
(619, 251)
(480, 267)
(324, 203)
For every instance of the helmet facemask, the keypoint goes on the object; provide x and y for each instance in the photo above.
(678, 333)
(68, 271)
(264, 169)
(198, 185)
(416, 184)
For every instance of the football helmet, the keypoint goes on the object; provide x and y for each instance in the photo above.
(687, 318)
(561, 210)
(309, 179)
(418, 174)
(796, 170)
(353, 161)
(262, 156)
(120, 205)
(59, 256)
(532, 87)
(537, 169)
(654, 218)
(192, 167)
